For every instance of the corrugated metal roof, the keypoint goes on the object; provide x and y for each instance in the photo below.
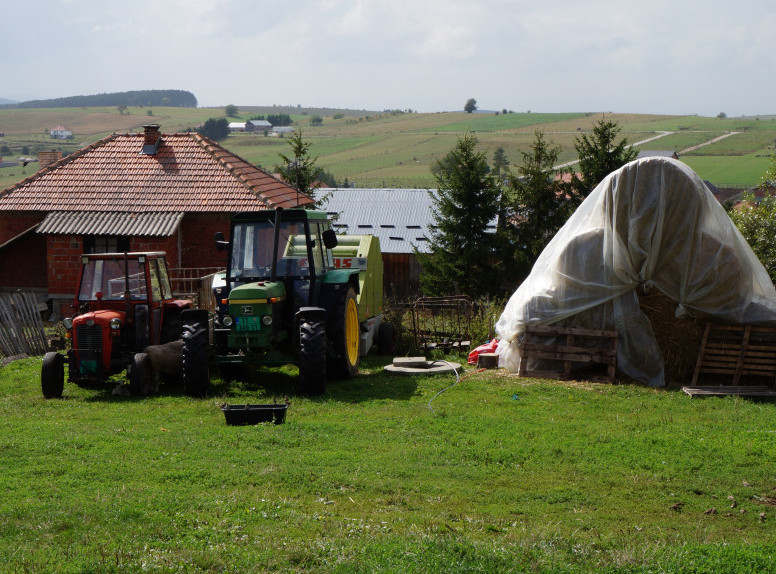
(400, 218)
(156, 224)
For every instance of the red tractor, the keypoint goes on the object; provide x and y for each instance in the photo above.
(124, 304)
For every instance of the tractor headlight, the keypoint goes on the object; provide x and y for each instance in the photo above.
(227, 321)
(67, 323)
(267, 320)
(115, 324)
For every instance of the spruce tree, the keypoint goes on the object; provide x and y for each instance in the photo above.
(600, 154)
(462, 250)
(539, 204)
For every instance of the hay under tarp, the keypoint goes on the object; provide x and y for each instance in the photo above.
(650, 226)
(679, 339)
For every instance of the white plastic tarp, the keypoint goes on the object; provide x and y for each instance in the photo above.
(651, 224)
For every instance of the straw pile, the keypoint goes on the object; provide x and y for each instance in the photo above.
(679, 339)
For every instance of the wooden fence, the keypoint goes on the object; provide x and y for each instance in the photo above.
(21, 329)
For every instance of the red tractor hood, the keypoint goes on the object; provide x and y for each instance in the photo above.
(100, 317)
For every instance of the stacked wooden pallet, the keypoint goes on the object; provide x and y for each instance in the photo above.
(733, 357)
(738, 351)
(566, 347)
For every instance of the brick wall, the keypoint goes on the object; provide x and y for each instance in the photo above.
(23, 264)
(198, 245)
(167, 244)
(15, 222)
(64, 264)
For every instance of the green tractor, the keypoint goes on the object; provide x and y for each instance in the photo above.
(292, 293)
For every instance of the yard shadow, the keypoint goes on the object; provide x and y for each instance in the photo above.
(277, 384)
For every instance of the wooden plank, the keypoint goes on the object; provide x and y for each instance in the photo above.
(549, 330)
(720, 391)
(567, 349)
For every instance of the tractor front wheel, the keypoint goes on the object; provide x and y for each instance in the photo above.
(196, 379)
(52, 375)
(312, 358)
(344, 333)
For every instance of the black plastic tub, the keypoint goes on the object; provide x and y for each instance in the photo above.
(254, 414)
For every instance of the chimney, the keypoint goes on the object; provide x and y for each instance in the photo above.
(48, 157)
(151, 140)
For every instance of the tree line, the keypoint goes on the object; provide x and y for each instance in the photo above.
(137, 98)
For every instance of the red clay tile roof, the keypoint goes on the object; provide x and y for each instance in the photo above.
(189, 173)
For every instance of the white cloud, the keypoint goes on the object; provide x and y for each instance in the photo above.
(660, 56)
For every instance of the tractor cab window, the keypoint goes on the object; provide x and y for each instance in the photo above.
(164, 279)
(111, 279)
(252, 251)
(319, 250)
(156, 288)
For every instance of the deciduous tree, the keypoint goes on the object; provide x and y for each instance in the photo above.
(215, 129)
(756, 220)
(470, 106)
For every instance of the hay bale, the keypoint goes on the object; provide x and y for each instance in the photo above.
(679, 339)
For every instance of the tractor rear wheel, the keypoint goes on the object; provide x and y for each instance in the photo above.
(52, 375)
(344, 332)
(312, 358)
(141, 375)
(196, 378)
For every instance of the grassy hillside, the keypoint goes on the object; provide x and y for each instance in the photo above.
(396, 149)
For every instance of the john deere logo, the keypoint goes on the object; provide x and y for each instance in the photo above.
(247, 309)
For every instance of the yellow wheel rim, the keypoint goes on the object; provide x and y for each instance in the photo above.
(351, 331)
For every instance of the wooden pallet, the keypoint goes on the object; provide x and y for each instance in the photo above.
(739, 351)
(567, 346)
(724, 391)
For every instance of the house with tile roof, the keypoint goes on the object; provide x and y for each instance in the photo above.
(60, 132)
(128, 192)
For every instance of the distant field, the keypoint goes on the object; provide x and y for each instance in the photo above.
(395, 149)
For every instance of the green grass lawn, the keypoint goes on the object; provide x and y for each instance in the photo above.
(385, 474)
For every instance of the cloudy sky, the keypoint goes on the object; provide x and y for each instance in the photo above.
(643, 56)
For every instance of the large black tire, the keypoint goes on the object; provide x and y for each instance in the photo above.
(196, 378)
(171, 328)
(344, 334)
(141, 375)
(52, 375)
(312, 358)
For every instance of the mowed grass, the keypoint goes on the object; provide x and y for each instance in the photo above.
(482, 473)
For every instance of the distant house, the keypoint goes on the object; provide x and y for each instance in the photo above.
(657, 153)
(237, 127)
(282, 130)
(127, 192)
(259, 126)
(60, 132)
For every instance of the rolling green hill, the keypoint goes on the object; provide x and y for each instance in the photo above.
(397, 149)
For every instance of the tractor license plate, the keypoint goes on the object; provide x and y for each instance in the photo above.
(248, 323)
